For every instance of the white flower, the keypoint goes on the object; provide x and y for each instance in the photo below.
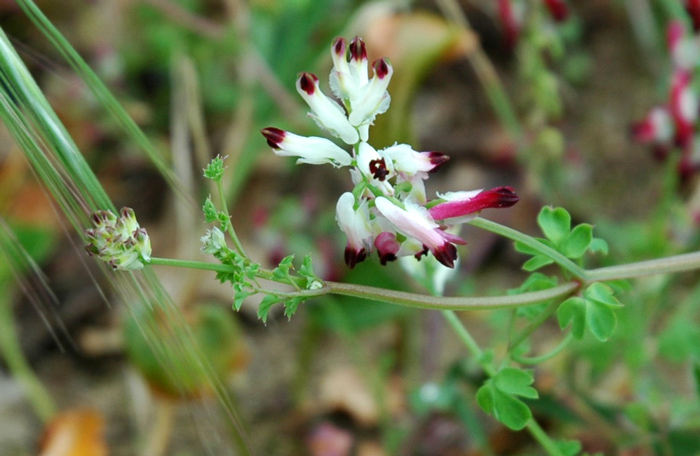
(327, 113)
(355, 224)
(312, 150)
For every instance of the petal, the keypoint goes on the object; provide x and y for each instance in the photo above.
(459, 205)
(387, 247)
(326, 112)
(415, 222)
(355, 225)
(372, 98)
(408, 161)
(313, 149)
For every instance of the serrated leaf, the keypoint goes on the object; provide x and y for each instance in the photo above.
(601, 320)
(577, 241)
(515, 381)
(603, 294)
(573, 311)
(267, 302)
(307, 270)
(290, 306)
(281, 272)
(239, 297)
(536, 262)
(555, 223)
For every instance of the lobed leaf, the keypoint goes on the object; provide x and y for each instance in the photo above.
(555, 223)
(577, 241)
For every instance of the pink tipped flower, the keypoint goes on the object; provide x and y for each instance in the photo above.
(325, 112)
(460, 207)
(355, 225)
(693, 9)
(656, 127)
(410, 162)
(511, 22)
(683, 107)
(415, 222)
(347, 77)
(312, 150)
(558, 9)
(387, 247)
(684, 50)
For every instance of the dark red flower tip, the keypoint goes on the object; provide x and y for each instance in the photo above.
(446, 254)
(418, 255)
(500, 197)
(274, 136)
(693, 9)
(340, 47)
(558, 9)
(381, 68)
(352, 256)
(438, 159)
(307, 82)
(358, 51)
(643, 131)
(387, 247)
(511, 28)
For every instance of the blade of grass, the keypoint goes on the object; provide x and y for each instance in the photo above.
(103, 94)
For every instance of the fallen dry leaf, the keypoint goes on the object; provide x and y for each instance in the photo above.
(74, 433)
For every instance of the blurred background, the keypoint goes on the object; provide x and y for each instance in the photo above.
(553, 98)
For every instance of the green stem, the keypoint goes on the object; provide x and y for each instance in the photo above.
(231, 230)
(466, 338)
(538, 359)
(676, 263)
(533, 243)
(416, 300)
(543, 439)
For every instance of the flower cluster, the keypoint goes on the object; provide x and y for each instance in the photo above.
(674, 124)
(388, 209)
(118, 241)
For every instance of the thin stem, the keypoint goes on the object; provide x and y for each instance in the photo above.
(538, 359)
(676, 263)
(231, 230)
(543, 439)
(397, 297)
(533, 243)
(466, 338)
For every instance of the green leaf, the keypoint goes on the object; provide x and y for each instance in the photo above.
(555, 223)
(215, 169)
(535, 282)
(210, 214)
(497, 397)
(290, 306)
(281, 272)
(536, 262)
(599, 245)
(505, 408)
(601, 320)
(267, 302)
(602, 294)
(569, 447)
(573, 311)
(516, 382)
(307, 271)
(239, 297)
(578, 241)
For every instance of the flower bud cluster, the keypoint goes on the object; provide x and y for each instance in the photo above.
(118, 241)
(674, 124)
(388, 209)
